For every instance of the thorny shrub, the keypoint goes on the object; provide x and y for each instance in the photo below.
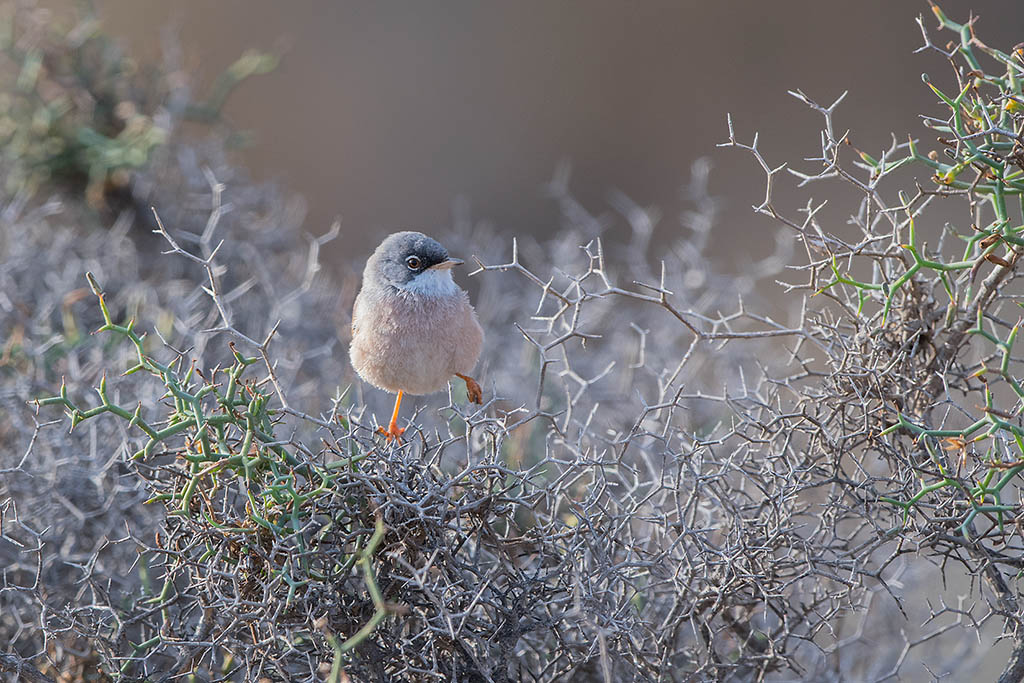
(654, 491)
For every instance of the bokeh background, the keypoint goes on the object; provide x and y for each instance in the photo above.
(398, 115)
(385, 113)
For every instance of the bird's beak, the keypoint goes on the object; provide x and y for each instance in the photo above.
(445, 265)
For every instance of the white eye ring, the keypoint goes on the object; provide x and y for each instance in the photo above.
(413, 262)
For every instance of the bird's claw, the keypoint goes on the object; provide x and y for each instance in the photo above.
(392, 432)
(473, 390)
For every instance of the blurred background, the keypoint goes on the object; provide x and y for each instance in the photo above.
(400, 115)
(386, 113)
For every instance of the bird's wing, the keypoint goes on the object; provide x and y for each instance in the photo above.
(355, 315)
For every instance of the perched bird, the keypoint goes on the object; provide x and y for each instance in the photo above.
(413, 328)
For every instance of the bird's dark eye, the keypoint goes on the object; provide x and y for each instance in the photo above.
(413, 262)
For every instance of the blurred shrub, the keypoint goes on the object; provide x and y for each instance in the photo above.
(656, 489)
(75, 110)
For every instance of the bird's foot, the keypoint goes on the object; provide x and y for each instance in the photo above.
(473, 391)
(392, 432)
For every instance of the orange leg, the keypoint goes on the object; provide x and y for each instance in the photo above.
(393, 431)
(473, 391)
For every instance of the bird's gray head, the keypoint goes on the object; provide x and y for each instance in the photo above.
(412, 262)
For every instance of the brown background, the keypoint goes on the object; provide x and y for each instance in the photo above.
(384, 112)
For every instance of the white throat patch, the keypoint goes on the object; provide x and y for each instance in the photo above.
(433, 282)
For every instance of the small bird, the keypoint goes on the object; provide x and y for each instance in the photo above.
(413, 328)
